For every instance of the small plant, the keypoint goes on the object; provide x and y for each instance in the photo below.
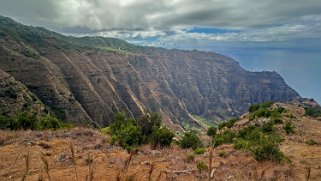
(224, 138)
(288, 127)
(73, 157)
(267, 127)
(199, 151)
(45, 165)
(190, 158)
(191, 140)
(161, 136)
(311, 142)
(222, 153)
(201, 166)
(27, 165)
(211, 131)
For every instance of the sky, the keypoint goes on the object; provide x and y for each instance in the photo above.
(279, 35)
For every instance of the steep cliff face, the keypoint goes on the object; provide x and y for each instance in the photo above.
(89, 79)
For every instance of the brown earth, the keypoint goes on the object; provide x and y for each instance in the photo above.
(163, 164)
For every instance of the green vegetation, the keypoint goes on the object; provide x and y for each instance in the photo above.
(162, 136)
(211, 131)
(230, 123)
(313, 111)
(199, 151)
(190, 157)
(130, 133)
(30, 120)
(191, 140)
(222, 153)
(288, 127)
(201, 166)
(311, 142)
(262, 141)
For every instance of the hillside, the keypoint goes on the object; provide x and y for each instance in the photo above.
(63, 154)
(88, 79)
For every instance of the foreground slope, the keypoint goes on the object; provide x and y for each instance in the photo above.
(91, 149)
(90, 78)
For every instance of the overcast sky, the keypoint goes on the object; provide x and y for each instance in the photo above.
(281, 35)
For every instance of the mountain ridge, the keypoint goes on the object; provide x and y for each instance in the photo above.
(90, 78)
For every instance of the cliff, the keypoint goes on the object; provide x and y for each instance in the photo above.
(88, 79)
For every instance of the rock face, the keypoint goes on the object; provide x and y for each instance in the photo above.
(89, 79)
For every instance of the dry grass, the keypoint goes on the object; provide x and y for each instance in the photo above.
(84, 153)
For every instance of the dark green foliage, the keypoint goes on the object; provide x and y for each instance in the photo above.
(201, 166)
(313, 111)
(311, 142)
(267, 104)
(191, 140)
(130, 136)
(199, 151)
(130, 133)
(211, 131)
(222, 153)
(162, 136)
(148, 122)
(50, 122)
(267, 151)
(30, 54)
(224, 138)
(10, 93)
(230, 123)
(267, 127)
(288, 127)
(26, 120)
(30, 120)
(254, 107)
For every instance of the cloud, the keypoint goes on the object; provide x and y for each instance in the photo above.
(169, 21)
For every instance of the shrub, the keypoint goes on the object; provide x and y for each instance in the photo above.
(311, 142)
(229, 124)
(26, 120)
(222, 153)
(190, 158)
(191, 140)
(129, 136)
(240, 143)
(313, 111)
(288, 127)
(201, 166)
(199, 151)
(267, 104)
(50, 122)
(223, 138)
(161, 136)
(254, 107)
(211, 131)
(267, 151)
(267, 127)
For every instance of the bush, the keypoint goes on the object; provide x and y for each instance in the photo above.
(254, 107)
(268, 151)
(26, 120)
(223, 138)
(222, 153)
(190, 158)
(267, 127)
(240, 143)
(229, 124)
(129, 136)
(288, 127)
(191, 140)
(201, 166)
(50, 122)
(311, 142)
(211, 131)
(313, 111)
(161, 136)
(199, 151)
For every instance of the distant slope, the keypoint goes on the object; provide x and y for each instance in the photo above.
(90, 78)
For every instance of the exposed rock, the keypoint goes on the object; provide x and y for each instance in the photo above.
(86, 80)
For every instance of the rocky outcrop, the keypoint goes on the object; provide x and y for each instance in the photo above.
(88, 79)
